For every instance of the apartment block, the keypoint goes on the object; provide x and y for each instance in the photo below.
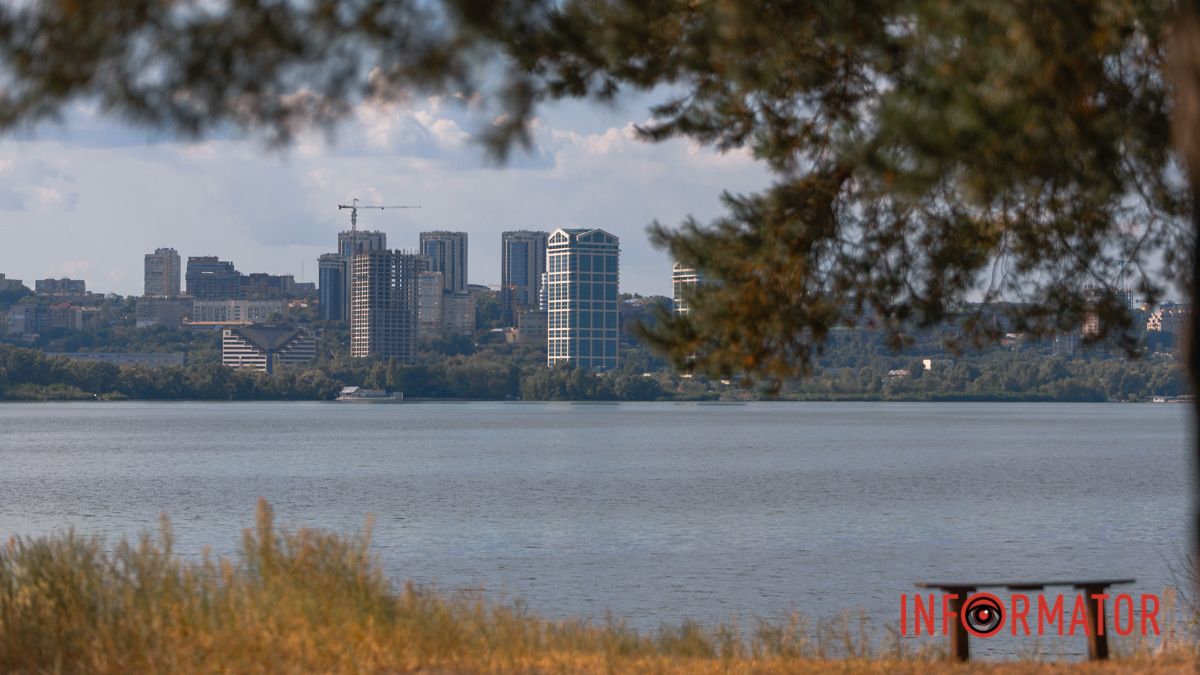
(265, 346)
(161, 273)
(60, 287)
(582, 321)
(447, 252)
(159, 310)
(250, 311)
(384, 317)
(209, 278)
(522, 264)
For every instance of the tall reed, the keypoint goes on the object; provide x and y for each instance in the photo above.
(308, 601)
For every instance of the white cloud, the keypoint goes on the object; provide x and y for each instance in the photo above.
(71, 268)
(34, 184)
(109, 203)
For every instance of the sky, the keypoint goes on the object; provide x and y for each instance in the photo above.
(87, 197)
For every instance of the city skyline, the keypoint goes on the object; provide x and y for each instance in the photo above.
(276, 212)
(314, 266)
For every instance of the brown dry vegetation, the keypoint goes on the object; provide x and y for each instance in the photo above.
(308, 601)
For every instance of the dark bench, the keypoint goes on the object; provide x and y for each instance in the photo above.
(1097, 641)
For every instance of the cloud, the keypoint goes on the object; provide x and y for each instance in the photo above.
(107, 205)
(35, 185)
(71, 268)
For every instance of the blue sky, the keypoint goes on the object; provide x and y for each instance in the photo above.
(88, 197)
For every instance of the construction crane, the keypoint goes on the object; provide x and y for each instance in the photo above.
(354, 206)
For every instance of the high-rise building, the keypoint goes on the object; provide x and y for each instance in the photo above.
(447, 252)
(383, 310)
(683, 283)
(211, 279)
(331, 274)
(522, 264)
(582, 323)
(162, 270)
(350, 243)
(263, 346)
(430, 289)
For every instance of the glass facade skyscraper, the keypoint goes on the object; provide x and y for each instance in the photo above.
(582, 323)
(447, 252)
(331, 277)
(211, 279)
(522, 263)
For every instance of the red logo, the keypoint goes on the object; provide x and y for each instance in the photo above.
(984, 615)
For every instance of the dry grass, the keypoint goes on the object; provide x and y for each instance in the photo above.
(314, 602)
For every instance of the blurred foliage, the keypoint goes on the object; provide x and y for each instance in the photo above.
(924, 152)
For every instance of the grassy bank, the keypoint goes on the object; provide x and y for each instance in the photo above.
(307, 601)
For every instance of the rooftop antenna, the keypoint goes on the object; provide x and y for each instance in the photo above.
(354, 206)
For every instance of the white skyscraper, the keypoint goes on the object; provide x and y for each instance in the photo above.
(582, 323)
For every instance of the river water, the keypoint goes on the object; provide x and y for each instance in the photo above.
(654, 512)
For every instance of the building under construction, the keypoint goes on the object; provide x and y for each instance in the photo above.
(383, 308)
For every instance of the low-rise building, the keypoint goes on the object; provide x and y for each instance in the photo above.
(30, 319)
(262, 286)
(162, 311)
(254, 311)
(9, 285)
(458, 314)
(263, 346)
(442, 313)
(60, 287)
(531, 327)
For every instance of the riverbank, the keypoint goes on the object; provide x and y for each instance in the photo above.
(502, 372)
(307, 601)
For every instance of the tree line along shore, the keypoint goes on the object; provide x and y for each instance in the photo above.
(858, 368)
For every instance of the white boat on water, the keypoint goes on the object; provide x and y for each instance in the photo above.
(361, 395)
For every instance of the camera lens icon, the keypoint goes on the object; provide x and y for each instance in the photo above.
(982, 615)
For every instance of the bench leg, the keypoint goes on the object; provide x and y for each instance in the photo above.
(960, 648)
(1097, 641)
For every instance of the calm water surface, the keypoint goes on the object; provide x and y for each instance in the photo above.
(655, 512)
